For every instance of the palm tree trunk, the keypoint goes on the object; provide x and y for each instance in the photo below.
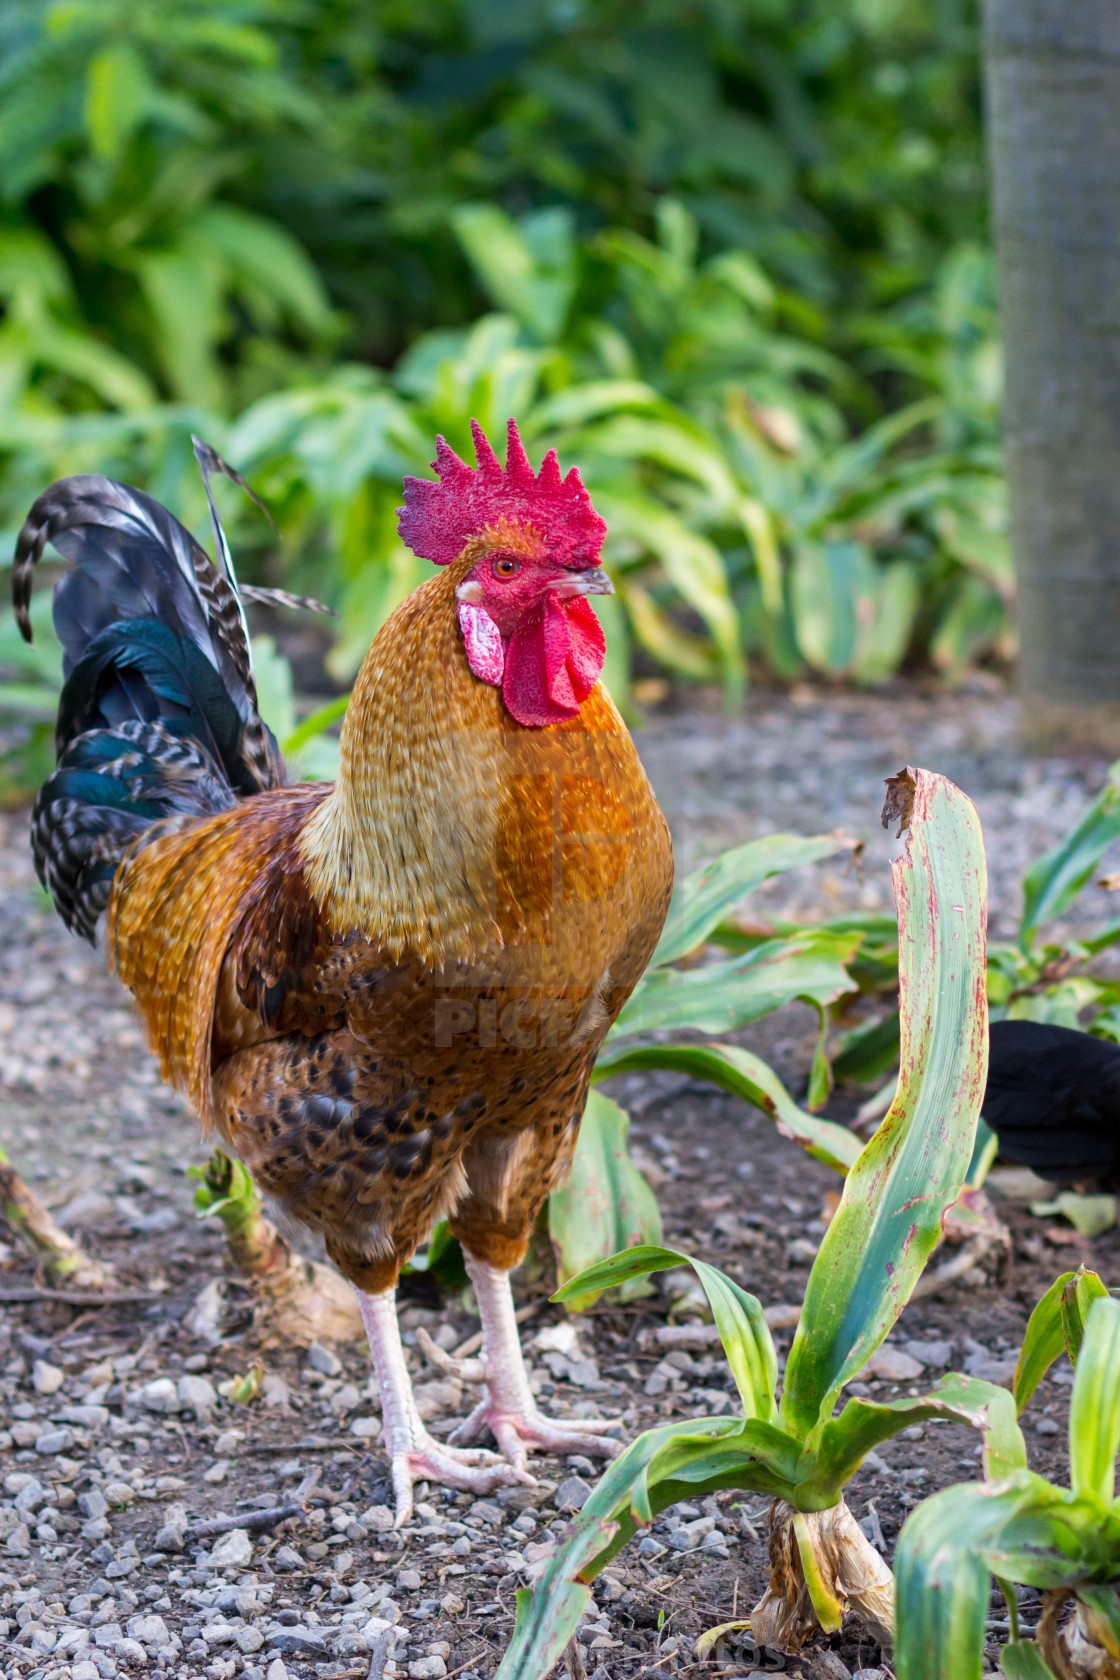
(1053, 95)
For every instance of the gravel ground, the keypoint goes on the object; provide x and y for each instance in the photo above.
(117, 1441)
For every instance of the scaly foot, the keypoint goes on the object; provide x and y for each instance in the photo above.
(421, 1459)
(518, 1429)
(413, 1455)
(509, 1410)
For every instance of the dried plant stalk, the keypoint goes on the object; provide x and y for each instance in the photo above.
(1084, 1647)
(822, 1566)
(65, 1262)
(297, 1300)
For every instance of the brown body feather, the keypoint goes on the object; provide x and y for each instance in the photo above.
(388, 995)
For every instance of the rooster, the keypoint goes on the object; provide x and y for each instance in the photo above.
(386, 994)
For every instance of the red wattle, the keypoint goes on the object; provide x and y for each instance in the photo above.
(553, 662)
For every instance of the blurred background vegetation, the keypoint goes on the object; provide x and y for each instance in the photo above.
(729, 256)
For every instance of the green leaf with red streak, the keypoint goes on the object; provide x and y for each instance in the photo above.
(905, 1180)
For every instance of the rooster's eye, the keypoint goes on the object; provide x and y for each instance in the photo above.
(506, 568)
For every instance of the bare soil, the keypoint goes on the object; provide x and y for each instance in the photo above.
(86, 1119)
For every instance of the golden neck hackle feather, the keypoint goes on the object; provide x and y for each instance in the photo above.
(404, 848)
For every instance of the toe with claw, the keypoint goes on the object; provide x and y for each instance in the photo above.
(418, 1458)
(509, 1410)
(520, 1429)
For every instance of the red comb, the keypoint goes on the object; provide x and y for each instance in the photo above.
(439, 519)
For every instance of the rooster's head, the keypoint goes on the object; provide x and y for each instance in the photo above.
(527, 547)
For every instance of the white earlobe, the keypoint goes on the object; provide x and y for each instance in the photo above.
(485, 654)
(470, 592)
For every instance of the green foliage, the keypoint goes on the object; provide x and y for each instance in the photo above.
(797, 1451)
(1017, 1526)
(744, 1075)
(1055, 879)
(712, 241)
(441, 1258)
(1034, 978)
(605, 1204)
(226, 1192)
(1041, 980)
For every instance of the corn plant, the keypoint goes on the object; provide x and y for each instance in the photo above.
(790, 1446)
(606, 1205)
(1020, 1528)
(295, 1300)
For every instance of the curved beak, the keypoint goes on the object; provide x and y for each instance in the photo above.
(592, 581)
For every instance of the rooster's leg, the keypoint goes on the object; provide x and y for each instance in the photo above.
(509, 1410)
(413, 1455)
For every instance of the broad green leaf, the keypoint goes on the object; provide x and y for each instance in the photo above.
(745, 1075)
(1094, 1413)
(831, 581)
(117, 95)
(846, 1440)
(605, 1204)
(587, 401)
(1056, 878)
(182, 287)
(1022, 1660)
(738, 1317)
(1078, 1296)
(692, 564)
(905, 1180)
(663, 1465)
(528, 268)
(975, 620)
(708, 893)
(884, 634)
(942, 1582)
(262, 256)
(1055, 1537)
(719, 997)
(660, 634)
(1044, 1340)
(1062, 1005)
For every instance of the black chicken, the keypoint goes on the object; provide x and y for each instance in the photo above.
(1053, 1100)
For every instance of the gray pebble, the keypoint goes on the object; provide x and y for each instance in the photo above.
(321, 1359)
(572, 1494)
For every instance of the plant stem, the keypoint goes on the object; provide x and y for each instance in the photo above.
(62, 1258)
(297, 1300)
(1012, 1603)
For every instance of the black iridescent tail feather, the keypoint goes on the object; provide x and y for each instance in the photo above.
(158, 712)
